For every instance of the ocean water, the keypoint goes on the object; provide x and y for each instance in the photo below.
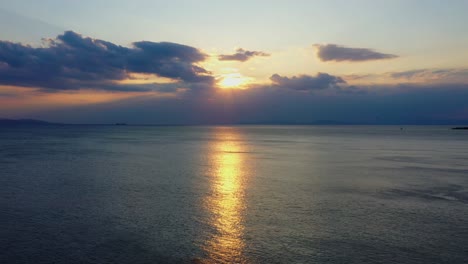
(240, 194)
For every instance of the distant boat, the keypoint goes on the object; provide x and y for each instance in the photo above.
(120, 124)
(460, 128)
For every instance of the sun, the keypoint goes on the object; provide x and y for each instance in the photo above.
(232, 81)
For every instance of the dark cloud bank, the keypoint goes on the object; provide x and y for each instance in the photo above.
(400, 105)
(242, 55)
(72, 61)
(332, 52)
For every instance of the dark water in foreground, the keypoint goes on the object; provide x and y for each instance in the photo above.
(104, 194)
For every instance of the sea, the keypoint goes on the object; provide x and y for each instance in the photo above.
(233, 194)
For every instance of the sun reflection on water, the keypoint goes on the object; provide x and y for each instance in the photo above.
(226, 202)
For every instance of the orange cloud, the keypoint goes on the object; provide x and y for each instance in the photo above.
(25, 100)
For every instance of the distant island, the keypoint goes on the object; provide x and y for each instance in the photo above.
(10, 122)
(314, 123)
(36, 122)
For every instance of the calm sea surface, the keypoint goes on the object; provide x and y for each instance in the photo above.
(242, 194)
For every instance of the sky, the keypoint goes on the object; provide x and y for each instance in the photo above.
(229, 62)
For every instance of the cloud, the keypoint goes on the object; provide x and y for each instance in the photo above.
(72, 61)
(287, 100)
(439, 75)
(242, 55)
(306, 82)
(332, 52)
(421, 76)
(385, 104)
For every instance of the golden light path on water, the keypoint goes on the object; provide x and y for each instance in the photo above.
(226, 204)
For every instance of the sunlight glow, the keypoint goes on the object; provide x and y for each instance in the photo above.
(144, 78)
(233, 81)
(32, 99)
